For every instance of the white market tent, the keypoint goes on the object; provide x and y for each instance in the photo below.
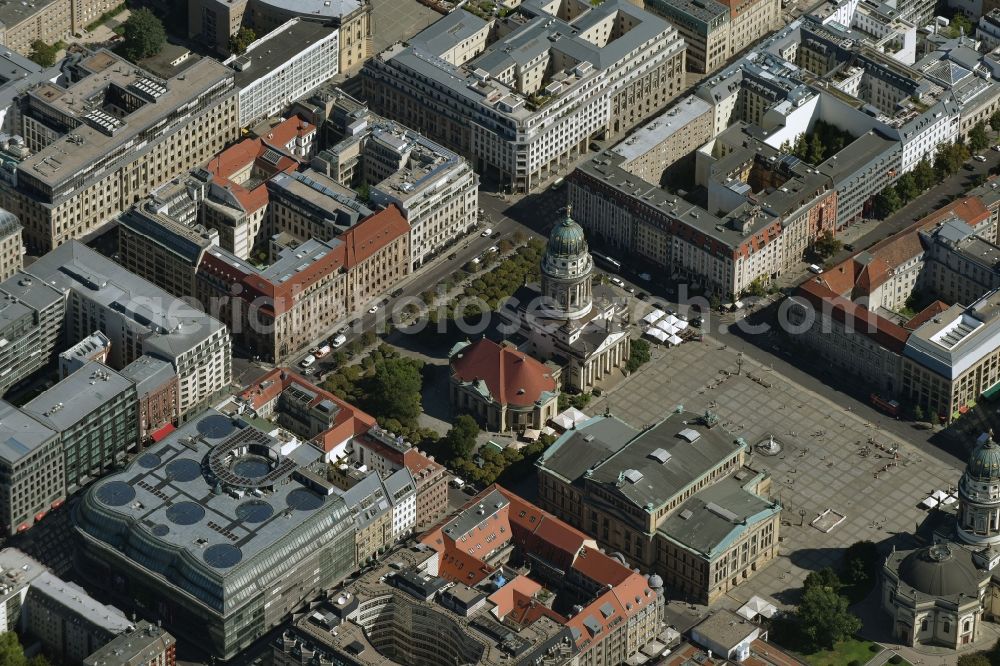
(681, 325)
(757, 606)
(653, 317)
(929, 503)
(666, 327)
(569, 418)
(671, 319)
(674, 340)
(656, 334)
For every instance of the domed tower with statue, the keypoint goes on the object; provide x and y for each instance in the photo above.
(941, 593)
(567, 320)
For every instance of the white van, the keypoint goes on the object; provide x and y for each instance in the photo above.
(457, 482)
(813, 268)
(338, 341)
(308, 361)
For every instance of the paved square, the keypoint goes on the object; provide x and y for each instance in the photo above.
(825, 462)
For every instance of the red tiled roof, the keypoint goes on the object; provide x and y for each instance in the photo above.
(512, 377)
(856, 317)
(281, 134)
(545, 536)
(357, 244)
(854, 279)
(935, 308)
(365, 239)
(506, 598)
(349, 422)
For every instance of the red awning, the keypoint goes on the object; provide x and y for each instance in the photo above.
(160, 433)
(58, 503)
(22, 527)
(963, 409)
(40, 515)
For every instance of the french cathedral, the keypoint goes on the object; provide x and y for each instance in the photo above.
(563, 321)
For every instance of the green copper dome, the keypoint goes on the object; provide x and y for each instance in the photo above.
(567, 239)
(984, 463)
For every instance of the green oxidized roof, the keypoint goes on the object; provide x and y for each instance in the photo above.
(567, 239)
(984, 463)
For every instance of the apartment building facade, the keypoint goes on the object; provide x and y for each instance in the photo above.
(514, 121)
(160, 249)
(138, 317)
(50, 21)
(281, 310)
(282, 66)
(32, 314)
(157, 397)
(435, 189)
(88, 165)
(715, 31)
(11, 245)
(32, 480)
(94, 410)
(215, 21)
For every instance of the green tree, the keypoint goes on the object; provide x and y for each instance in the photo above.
(816, 149)
(977, 659)
(959, 25)
(861, 563)
(757, 288)
(637, 356)
(394, 390)
(978, 138)
(12, 654)
(461, 439)
(239, 41)
(43, 54)
(918, 413)
(824, 618)
(995, 121)
(144, 35)
(907, 188)
(827, 245)
(825, 577)
(923, 175)
(887, 202)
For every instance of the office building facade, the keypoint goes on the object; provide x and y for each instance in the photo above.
(89, 164)
(459, 83)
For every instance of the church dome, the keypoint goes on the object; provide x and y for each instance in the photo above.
(984, 463)
(567, 239)
(941, 571)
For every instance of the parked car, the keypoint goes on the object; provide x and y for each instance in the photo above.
(493, 249)
(496, 235)
(997, 147)
(617, 282)
(396, 293)
(373, 309)
(813, 268)
(457, 483)
(486, 232)
(453, 255)
(849, 247)
(322, 351)
(697, 322)
(338, 341)
(979, 158)
(307, 361)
